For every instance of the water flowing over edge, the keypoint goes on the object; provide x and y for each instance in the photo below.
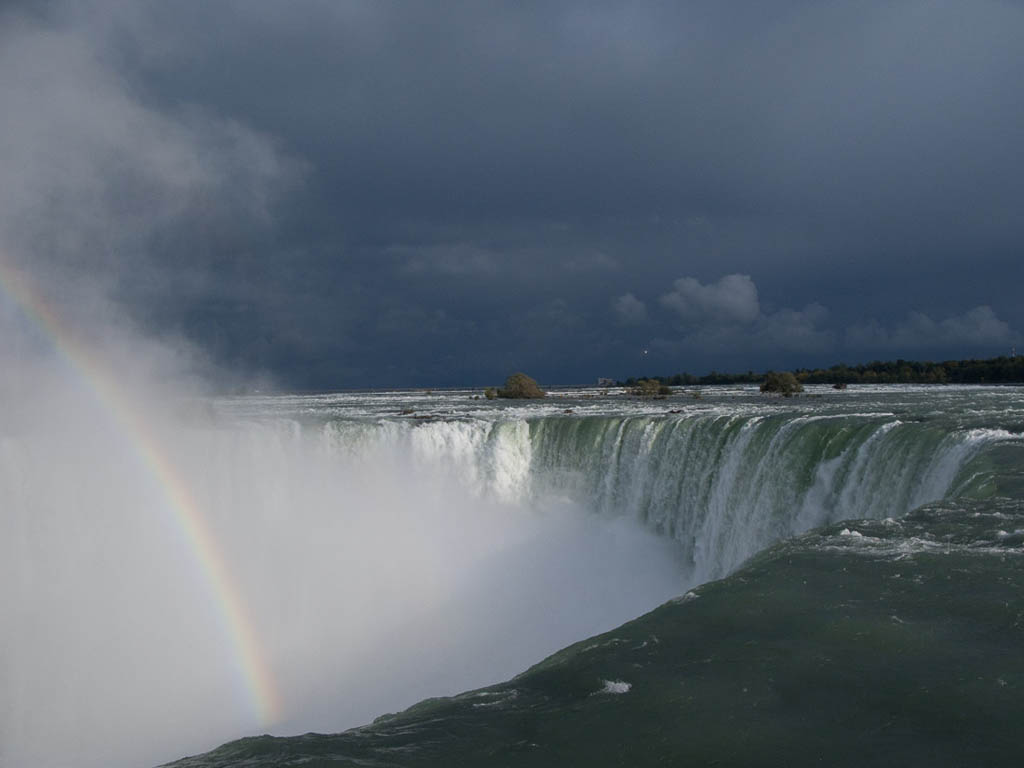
(721, 485)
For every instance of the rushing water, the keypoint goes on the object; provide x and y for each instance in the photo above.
(390, 546)
(723, 475)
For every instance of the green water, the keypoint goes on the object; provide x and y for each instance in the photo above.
(891, 633)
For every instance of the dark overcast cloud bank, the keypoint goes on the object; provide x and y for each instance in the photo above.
(358, 194)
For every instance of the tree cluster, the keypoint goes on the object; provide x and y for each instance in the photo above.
(784, 383)
(996, 370)
(517, 386)
(688, 379)
(650, 388)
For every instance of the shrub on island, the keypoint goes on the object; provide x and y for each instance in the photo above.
(520, 386)
(650, 388)
(784, 383)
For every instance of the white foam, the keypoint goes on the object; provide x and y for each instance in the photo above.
(506, 697)
(691, 595)
(615, 686)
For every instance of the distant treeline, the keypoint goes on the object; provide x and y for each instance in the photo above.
(997, 370)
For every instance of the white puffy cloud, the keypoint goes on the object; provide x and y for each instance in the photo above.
(733, 299)
(629, 310)
(978, 327)
(725, 318)
(796, 330)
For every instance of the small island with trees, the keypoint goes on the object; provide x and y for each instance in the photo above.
(784, 383)
(518, 386)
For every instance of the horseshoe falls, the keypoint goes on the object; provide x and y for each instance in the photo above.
(721, 482)
(735, 578)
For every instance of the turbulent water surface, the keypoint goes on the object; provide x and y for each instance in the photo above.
(391, 546)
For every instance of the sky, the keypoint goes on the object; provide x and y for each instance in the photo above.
(324, 194)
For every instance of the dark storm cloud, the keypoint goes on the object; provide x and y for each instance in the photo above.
(557, 186)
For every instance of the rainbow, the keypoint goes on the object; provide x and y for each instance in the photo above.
(246, 653)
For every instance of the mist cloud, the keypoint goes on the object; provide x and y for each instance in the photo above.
(98, 181)
(629, 309)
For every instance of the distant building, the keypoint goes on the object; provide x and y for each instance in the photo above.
(603, 382)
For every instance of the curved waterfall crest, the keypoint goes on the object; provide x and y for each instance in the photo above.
(723, 485)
